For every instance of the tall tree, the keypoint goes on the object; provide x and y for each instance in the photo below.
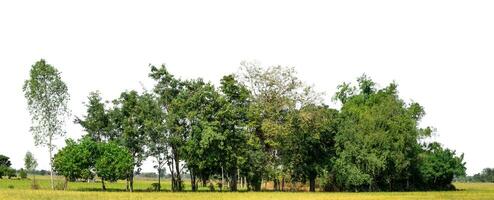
(276, 91)
(47, 97)
(233, 123)
(377, 140)
(309, 146)
(154, 126)
(129, 122)
(168, 89)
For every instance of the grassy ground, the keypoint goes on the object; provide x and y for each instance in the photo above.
(20, 189)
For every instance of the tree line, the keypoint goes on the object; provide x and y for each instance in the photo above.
(259, 125)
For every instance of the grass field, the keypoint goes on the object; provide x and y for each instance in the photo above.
(20, 189)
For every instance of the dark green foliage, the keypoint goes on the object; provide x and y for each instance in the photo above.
(438, 167)
(4, 166)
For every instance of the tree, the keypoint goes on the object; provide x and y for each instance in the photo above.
(4, 165)
(309, 146)
(114, 163)
(438, 167)
(30, 164)
(276, 91)
(47, 97)
(96, 122)
(155, 132)
(233, 123)
(22, 173)
(168, 89)
(75, 160)
(128, 120)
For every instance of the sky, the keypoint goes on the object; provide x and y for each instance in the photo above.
(439, 52)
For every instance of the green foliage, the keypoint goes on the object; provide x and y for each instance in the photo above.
(96, 123)
(4, 166)
(75, 160)
(114, 162)
(30, 162)
(438, 167)
(22, 174)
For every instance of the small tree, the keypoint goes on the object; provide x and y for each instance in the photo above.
(47, 97)
(4, 165)
(75, 160)
(114, 163)
(30, 164)
(22, 173)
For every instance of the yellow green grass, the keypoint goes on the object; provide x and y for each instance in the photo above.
(78, 191)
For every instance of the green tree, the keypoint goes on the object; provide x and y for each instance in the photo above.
(96, 122)
(47, 97)
(4, 165)
(128, 120)
(233, 123)
(75, 160)
(155, 132)
(168, 89)
(113, 163)
(30, 164)
(309, 146)
(275, 92)
(22, 173)
(438, 167)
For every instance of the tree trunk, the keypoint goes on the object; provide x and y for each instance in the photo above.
(193, 181)
(103, 184)
(131, 180)
(283, 183)
(50, 148)
(159, 177)
(127, 184)
(233, 180)
(177, 171)
(312, 180)
(65, 183)
(222, 177)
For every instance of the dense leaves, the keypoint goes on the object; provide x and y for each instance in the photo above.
(263, 124)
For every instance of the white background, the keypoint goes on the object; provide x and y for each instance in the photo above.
(439, 52)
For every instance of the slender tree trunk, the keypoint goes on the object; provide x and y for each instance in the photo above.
(193, 181)
(131, 181)
(312, 180)
(103, 184)
(50, 148)
(233, 180)
(177, 168)
(222, 177)
(127, 183)
(65, 183)
(159, 177)
(283, 183)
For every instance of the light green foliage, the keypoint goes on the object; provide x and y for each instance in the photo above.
(47, 97)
